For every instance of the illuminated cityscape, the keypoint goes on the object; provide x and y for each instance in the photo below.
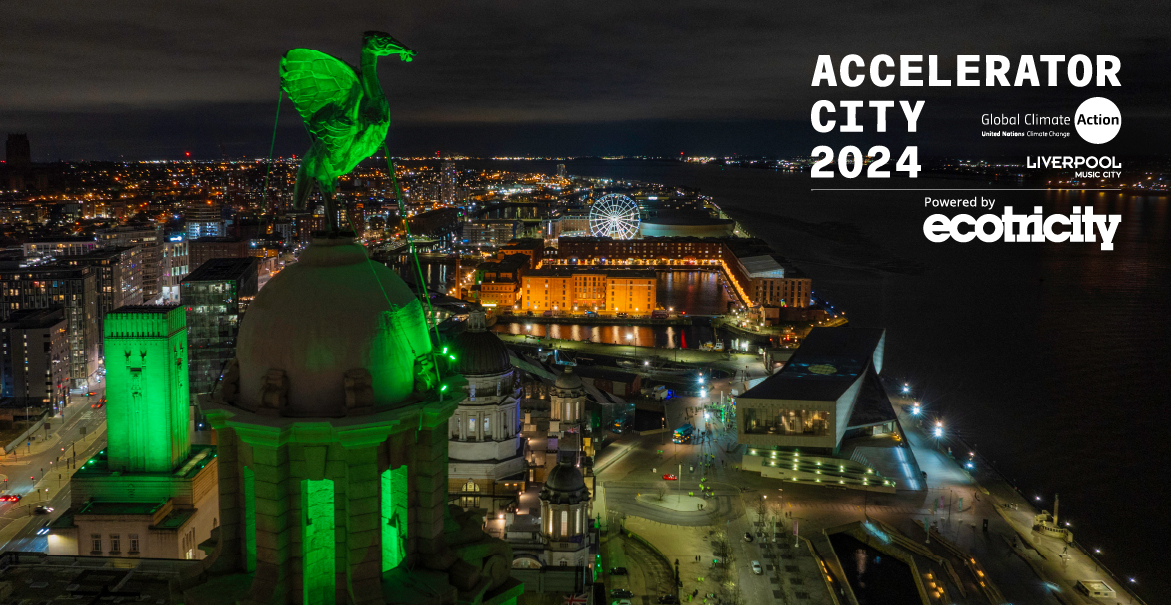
(565, 320)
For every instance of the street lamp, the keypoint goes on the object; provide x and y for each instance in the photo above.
(938, 429)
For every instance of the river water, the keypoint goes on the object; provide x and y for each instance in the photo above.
(1052, 357)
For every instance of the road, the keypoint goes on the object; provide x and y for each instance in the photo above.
(40, 473)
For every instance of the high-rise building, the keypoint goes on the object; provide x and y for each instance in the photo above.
(74, 288)
(57, 247)
(175, 267)
(34, 358)
(118, 271)
(18, 156)
(561, 171)
(206, 248)
(150, 238)
(448, 192)
(150, 493)
(490, 233)
(215, 296)
(204, 218)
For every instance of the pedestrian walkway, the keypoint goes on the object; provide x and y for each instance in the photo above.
(1054, 562)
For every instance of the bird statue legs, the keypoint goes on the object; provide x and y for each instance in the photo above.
(306, 179)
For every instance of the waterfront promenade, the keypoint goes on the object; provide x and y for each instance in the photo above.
(1059, 566)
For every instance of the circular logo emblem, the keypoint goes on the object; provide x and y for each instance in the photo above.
(1097, 120)
(822, 368)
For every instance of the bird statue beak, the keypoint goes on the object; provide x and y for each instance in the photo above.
(407, 55)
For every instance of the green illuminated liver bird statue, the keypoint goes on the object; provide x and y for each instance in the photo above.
(344, 110)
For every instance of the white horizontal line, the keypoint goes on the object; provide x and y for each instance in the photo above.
(962, 189)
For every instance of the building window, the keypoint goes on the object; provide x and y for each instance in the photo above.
(564, 523)
(97, 539)
(115, 544)
(133, 544)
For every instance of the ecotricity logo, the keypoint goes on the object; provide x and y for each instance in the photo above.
(1097, 120)
(1009, 227)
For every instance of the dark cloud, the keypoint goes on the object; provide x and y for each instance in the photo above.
(142, 78)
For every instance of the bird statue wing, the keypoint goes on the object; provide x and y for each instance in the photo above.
(314, 80)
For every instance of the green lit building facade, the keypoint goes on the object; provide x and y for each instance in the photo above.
(332, 429)
(150, 493)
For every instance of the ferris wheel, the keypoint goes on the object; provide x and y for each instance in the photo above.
(614, 215)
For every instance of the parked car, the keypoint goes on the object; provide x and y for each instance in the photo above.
(756, 569)
(621, 602)
(618, 571)
(670, 477)
(668, 599)
(621, 592)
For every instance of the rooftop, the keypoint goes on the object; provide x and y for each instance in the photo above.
(201, 455)
(26, 319)
(567, 270)
(223, 269)
(39, 578)
(763, 266)
(873, 406)
(159, 309)
(828, 362)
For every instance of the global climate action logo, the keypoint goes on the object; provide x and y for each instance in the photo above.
(1097, 120)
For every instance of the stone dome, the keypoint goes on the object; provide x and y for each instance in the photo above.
(335, 311)
(568, 380)
(479, 352)
(564, 484)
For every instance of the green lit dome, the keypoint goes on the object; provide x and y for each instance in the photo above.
(332, 312)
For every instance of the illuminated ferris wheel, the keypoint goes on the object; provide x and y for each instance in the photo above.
(614, 215)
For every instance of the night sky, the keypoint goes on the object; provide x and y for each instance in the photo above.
(144, 80)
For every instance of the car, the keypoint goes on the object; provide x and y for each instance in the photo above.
(668, 599)
(10, 498)
(90, 394)
(618, 571)
(747, 537)
(756, 569)
(669, 477)
(621, 592)
(621, 602)
(43, 530)
(42, 510)
(621, 315)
